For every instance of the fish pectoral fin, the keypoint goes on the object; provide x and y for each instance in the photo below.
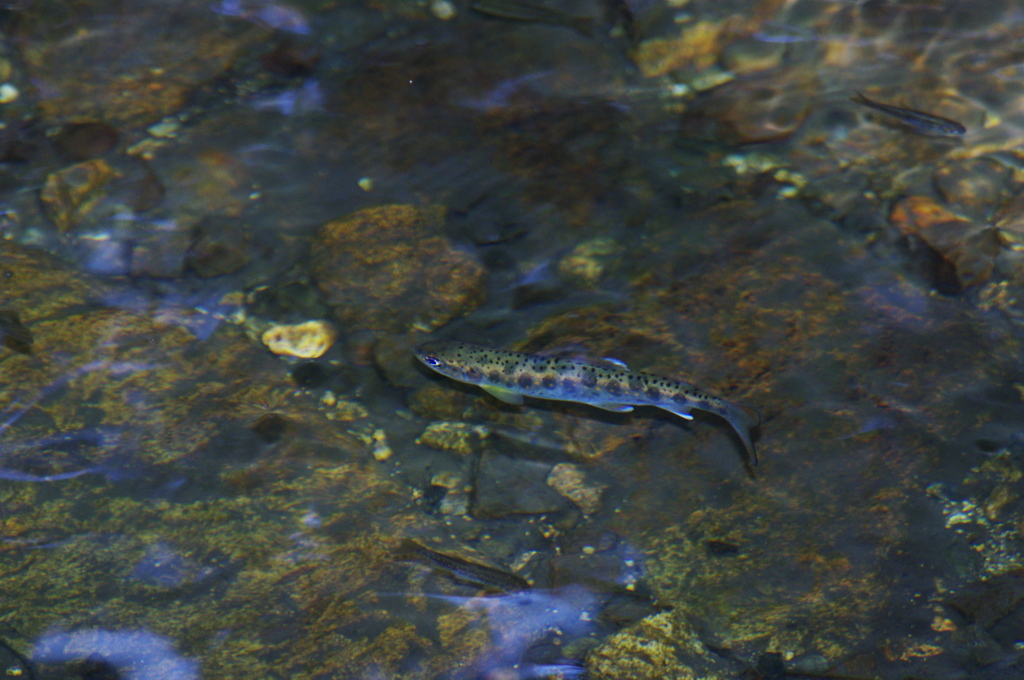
(618, 408)
(507, 396)
(681, 412)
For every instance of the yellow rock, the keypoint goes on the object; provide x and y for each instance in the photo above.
(70, 193)
(696, 46)
(380, 448)
(569, 480)
(307, 340)
(448, 436)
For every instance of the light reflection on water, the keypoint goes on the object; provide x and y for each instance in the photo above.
(132, 654)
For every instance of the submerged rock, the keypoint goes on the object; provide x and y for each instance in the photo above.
(461, 438)
(506, 486)
(966, 249)
(71, 193)
(82, 141)
(390, 269)
(570, 481)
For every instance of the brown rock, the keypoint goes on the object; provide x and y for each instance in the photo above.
(388, 268)
(966, 247)
(82, 141)
(750, 55)
(439, 401)
(89, 75)
(696, 46)
(973, 185)
(219, 246)
(160, 255)
(758, 110)
(70, 193)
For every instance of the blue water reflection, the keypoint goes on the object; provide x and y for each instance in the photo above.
(134, 655)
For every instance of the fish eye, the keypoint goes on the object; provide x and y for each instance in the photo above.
(431, 360)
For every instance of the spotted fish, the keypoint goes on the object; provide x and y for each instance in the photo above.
(510, 376)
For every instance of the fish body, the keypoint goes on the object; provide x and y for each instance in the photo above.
(510, 376)
(920, 121)
(479, 574)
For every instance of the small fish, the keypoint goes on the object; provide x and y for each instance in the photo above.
(409, 550)
(918, 120)
(13, 334)
(510, 376)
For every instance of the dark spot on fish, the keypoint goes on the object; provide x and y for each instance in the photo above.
(494, 376)
(613, 388)
(681, 398)
(548, 381)
(703, 405)
(589, 379)
(654, 393)
(569, 385)
(472, 373)
(525, 381)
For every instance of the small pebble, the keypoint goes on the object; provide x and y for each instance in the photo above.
(442, 9)
(307, 340)
(381, 450)
(165, 129)
(8, 93)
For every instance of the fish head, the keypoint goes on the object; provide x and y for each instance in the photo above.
(446, 357)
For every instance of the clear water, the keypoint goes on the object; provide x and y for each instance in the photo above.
(687, 188)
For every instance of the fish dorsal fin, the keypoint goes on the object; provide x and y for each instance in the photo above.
(599, 363)
(506, 395)
(618, 408)
(579, 355)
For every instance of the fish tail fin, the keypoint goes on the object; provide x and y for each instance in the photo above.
(744, 419)
(752, 414)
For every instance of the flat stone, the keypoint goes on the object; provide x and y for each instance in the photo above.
(390, 269)
(506, 486)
